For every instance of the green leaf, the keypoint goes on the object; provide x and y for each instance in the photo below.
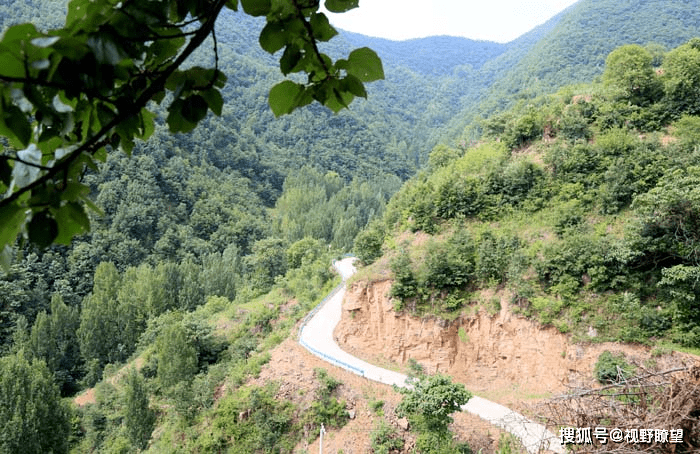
(353, 85)
(147, 125)
(15, 126)
(256, 7)
(72, 220)
(340, 6)
(77, 11)
(323, 30)
(285, 97)
(18, 123)
(20, 32)
(5, 171)
(12, 216)
(75, 190)
(6, 258)
(194, 108)
(273, 37)
(364, 64)
(339, 100)
(290, 59)
(42, 229)
(90, 204)
(214, 100)
(176, 120)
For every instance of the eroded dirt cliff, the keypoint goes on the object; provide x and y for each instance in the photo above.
(500, 356)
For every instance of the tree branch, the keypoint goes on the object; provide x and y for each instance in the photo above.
(92, 144)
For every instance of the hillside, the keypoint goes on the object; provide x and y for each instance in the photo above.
(586, 187)
(577, 211)
(580, 38)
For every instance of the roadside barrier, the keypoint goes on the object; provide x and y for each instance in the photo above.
(333, 360)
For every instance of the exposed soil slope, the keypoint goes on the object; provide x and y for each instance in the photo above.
(499, 356)
(293, 367)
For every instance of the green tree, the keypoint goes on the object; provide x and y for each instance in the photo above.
(368, 243)
(34, 420)
(139, 418)
(670, 218)
(177, 357)
(54, 339)
(302, 252)
(99, 332)
(405, 285)
(682, 78)
(125, 55)
(269, 260)
(630, 75)
(428, 404)
(221, 273)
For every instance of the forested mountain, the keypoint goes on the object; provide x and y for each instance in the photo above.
(580, 38)
(239, 218)
(437, 56)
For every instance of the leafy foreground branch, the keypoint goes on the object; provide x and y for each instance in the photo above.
(667, 400)
(70, 96)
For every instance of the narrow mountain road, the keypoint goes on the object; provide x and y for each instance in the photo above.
(316, 335)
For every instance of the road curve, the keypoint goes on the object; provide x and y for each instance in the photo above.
(316, 335)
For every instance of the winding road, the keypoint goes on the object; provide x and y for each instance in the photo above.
(316, 335)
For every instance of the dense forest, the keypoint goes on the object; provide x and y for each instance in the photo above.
(562, 166)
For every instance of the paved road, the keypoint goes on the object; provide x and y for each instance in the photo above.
(317, 337)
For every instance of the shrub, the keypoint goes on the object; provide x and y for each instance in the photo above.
(326, 408)
(546, 308)
(572, 124)
(404, 285)
(376, 406)
(612, 368)
(255, 421)
(448, 264)
(368, 243)
(385, 439)
(459, 195)
(493, 256)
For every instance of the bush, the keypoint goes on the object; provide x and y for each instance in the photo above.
(515, 180)
(326, 408)
(572, 124)
(612, 368)
(569, 217)
(404, 285)
(687, 129)
(525, 128)
(368, 243)
(385, 439)
(459, 195)
(493, 256)
(255, 421)
(377, 406)
(546, 308)
(450, 264)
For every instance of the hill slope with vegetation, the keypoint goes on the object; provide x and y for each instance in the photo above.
(583, 203)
